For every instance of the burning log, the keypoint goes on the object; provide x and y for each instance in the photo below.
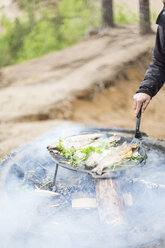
(110, 201)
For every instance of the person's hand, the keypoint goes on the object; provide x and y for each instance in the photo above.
(138, 100)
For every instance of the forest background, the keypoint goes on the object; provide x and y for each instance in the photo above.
(44, 26)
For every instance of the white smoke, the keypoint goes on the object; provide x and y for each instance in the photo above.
(28, 220)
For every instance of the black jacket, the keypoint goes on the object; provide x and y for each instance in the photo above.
(155, 75)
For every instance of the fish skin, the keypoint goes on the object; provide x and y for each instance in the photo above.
(93, 160)
(114, 155)
(79, 154)
(84, 140)
(98, 162)
(110, 141)
(80, 141)
(129, 152)
(95, 157)
(107, 160)
(77, 141)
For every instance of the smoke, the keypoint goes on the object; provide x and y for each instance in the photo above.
(28, 219)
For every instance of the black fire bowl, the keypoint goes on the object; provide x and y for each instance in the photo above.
(32, 166)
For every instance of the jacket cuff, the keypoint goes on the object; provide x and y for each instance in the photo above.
(146, 91)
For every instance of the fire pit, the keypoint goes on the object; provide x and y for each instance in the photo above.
(140, 191)
(108, 191)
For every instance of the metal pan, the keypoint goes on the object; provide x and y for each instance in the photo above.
(108, 173)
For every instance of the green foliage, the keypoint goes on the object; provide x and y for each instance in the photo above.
(39, 41)
(24, 4)
(12, 40)
(53, 29)
(124, 14)
(154, 15)
(52, 25)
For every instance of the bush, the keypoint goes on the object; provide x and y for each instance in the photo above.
(12, 40)
(124, 14)
(46, 29)
(55, 33)
(24, 4)
(53, 29)
(154, 15)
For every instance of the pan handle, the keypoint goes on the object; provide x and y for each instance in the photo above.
(138, 120)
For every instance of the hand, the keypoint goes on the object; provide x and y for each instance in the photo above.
(139, 99)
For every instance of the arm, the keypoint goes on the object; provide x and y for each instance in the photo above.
(154, 78)
(155, 75)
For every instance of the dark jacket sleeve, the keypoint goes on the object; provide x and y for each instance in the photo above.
(155, 75)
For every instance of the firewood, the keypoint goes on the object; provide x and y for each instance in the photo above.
(46, 193)
(110, 201)
(85, 203)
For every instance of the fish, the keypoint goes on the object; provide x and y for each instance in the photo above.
(115, 156)
(95, 152)
(93, 160)
(104, 144)
(76, 141)
(131, 149)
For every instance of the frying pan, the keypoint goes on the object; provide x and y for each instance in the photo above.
(108, 173)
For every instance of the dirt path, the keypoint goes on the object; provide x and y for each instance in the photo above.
(36, 87)
(69, 85)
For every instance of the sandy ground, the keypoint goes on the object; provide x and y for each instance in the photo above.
(112, 107)
(91, 82)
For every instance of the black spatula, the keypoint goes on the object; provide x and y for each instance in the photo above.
(138, 137)
(138, 120)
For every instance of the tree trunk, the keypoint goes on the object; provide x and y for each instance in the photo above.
(144, 11)
(107, 14)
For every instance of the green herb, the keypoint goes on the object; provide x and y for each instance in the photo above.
(131, 158)
(70, 154)
(106, 145)
(98, 150)
(134, 158)
(87, 151)
(60, 146)
(103, 145)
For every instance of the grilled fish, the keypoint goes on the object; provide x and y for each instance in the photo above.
(76, 141)
(96, 152)
(114, 156)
